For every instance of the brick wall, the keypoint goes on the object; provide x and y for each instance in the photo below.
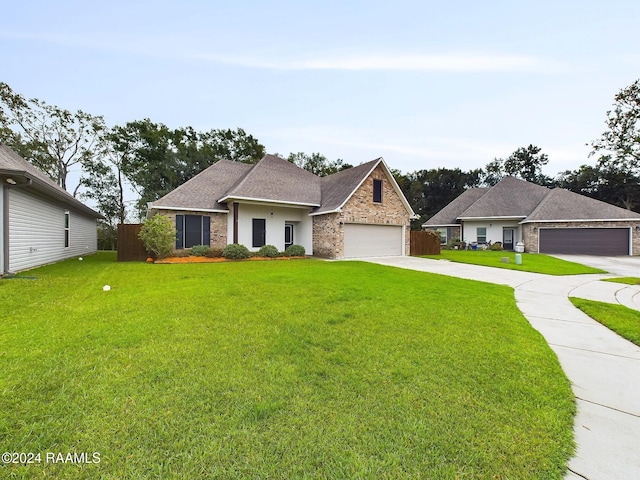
(328, 234)
(218, 230)
(530, 232)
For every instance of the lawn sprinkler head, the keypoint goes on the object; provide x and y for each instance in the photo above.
(106, 288)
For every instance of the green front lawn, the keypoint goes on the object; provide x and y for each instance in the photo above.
(288, 369)
(625, 280)
(622, 320)
(531, 262)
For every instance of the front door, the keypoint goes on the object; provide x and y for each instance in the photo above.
(507, 238)
(288, 235)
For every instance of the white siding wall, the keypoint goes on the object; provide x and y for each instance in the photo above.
(302, 230)
(494, 230)
(36, 231)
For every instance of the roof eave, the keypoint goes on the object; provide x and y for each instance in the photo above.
(579, 220)
(190, 209)
(232, 198)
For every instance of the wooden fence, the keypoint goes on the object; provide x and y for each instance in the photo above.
(130, 247)
(424, 243)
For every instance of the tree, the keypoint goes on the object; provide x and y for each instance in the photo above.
(50, 137)
(619, 146)
(317, 164)
(156, 159)
(525, 163)
(429, 191)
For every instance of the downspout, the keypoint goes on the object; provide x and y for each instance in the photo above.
(5, 221)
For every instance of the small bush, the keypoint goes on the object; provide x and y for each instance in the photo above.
(158, 235)
(200, 250)
(180, 253)
(214, 253)
(236, 251)
(496, 247)
(268, 251)
(294, 251)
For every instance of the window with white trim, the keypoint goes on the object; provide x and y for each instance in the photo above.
(66, 228)
(481, 234)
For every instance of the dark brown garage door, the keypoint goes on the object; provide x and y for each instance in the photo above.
(585, 241)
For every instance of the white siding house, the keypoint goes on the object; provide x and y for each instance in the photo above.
(40, 223)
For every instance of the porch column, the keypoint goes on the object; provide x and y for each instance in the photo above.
(235, 222)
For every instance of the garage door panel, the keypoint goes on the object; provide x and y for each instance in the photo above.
(585, 241)
(372, 240)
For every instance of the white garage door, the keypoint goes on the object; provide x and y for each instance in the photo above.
(372, 240)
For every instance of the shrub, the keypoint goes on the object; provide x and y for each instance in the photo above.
(200, 250)
(496, 247)
(268, 251)
(236, 251)
(294, 251)
(180, 253)
(158, 235)
(214, 253)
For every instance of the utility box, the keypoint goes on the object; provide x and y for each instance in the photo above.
(519, 247)
(518, 259)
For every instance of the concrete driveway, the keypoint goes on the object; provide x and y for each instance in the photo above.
(622, 266)
(604, 368)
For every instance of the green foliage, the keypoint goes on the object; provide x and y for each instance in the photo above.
(312, 357)
(50, 137)
(236, 251)
(317, 164)
(200, 250)
(525, 163)
(214, 253)
(158, 235)
(622, 320)
(496, 247)
(456, 244)
(294, 251)
(268, 251)
(182, 253)
(531, 262)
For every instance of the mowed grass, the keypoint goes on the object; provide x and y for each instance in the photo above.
(531, 262)
(623, 320)
(624, 280)
(283, 369)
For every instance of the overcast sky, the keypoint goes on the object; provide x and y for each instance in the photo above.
(423, 84)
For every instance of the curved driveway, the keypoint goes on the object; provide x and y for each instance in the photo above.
(604, 368)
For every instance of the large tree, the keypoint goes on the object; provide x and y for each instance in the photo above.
(50, 137)
(157, 159)
(525, 163)
(618, 148)
(317, 164)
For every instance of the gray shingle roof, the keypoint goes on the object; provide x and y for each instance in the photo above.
(516, 198)
(338, 187)
(276, 179)
(203, 191)
(13, 164)
(560, 204)
(449, 214)
(511, 197)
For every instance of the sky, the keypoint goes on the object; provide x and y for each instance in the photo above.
(423, 84)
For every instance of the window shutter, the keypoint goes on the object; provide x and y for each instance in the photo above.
(179, 232)
(206, 230)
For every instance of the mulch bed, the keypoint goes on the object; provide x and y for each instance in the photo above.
(193, 259)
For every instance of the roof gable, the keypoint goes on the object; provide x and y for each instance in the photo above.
(13, 164)
(511, 197)
(278, 180)
(203, 191)
(449, 214)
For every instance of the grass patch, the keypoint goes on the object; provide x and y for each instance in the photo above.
(304, 369)
(625, 280)
(531, 262)
(623, 320)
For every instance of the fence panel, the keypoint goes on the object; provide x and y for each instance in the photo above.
(424, 243)
(130, 247)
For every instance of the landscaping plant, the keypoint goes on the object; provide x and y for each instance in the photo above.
(158, 235)
(235, 251)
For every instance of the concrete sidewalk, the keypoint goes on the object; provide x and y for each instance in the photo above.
(604, 368)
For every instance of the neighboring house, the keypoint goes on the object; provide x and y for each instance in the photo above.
(40, 222)
(357, 212)
(544, 220)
